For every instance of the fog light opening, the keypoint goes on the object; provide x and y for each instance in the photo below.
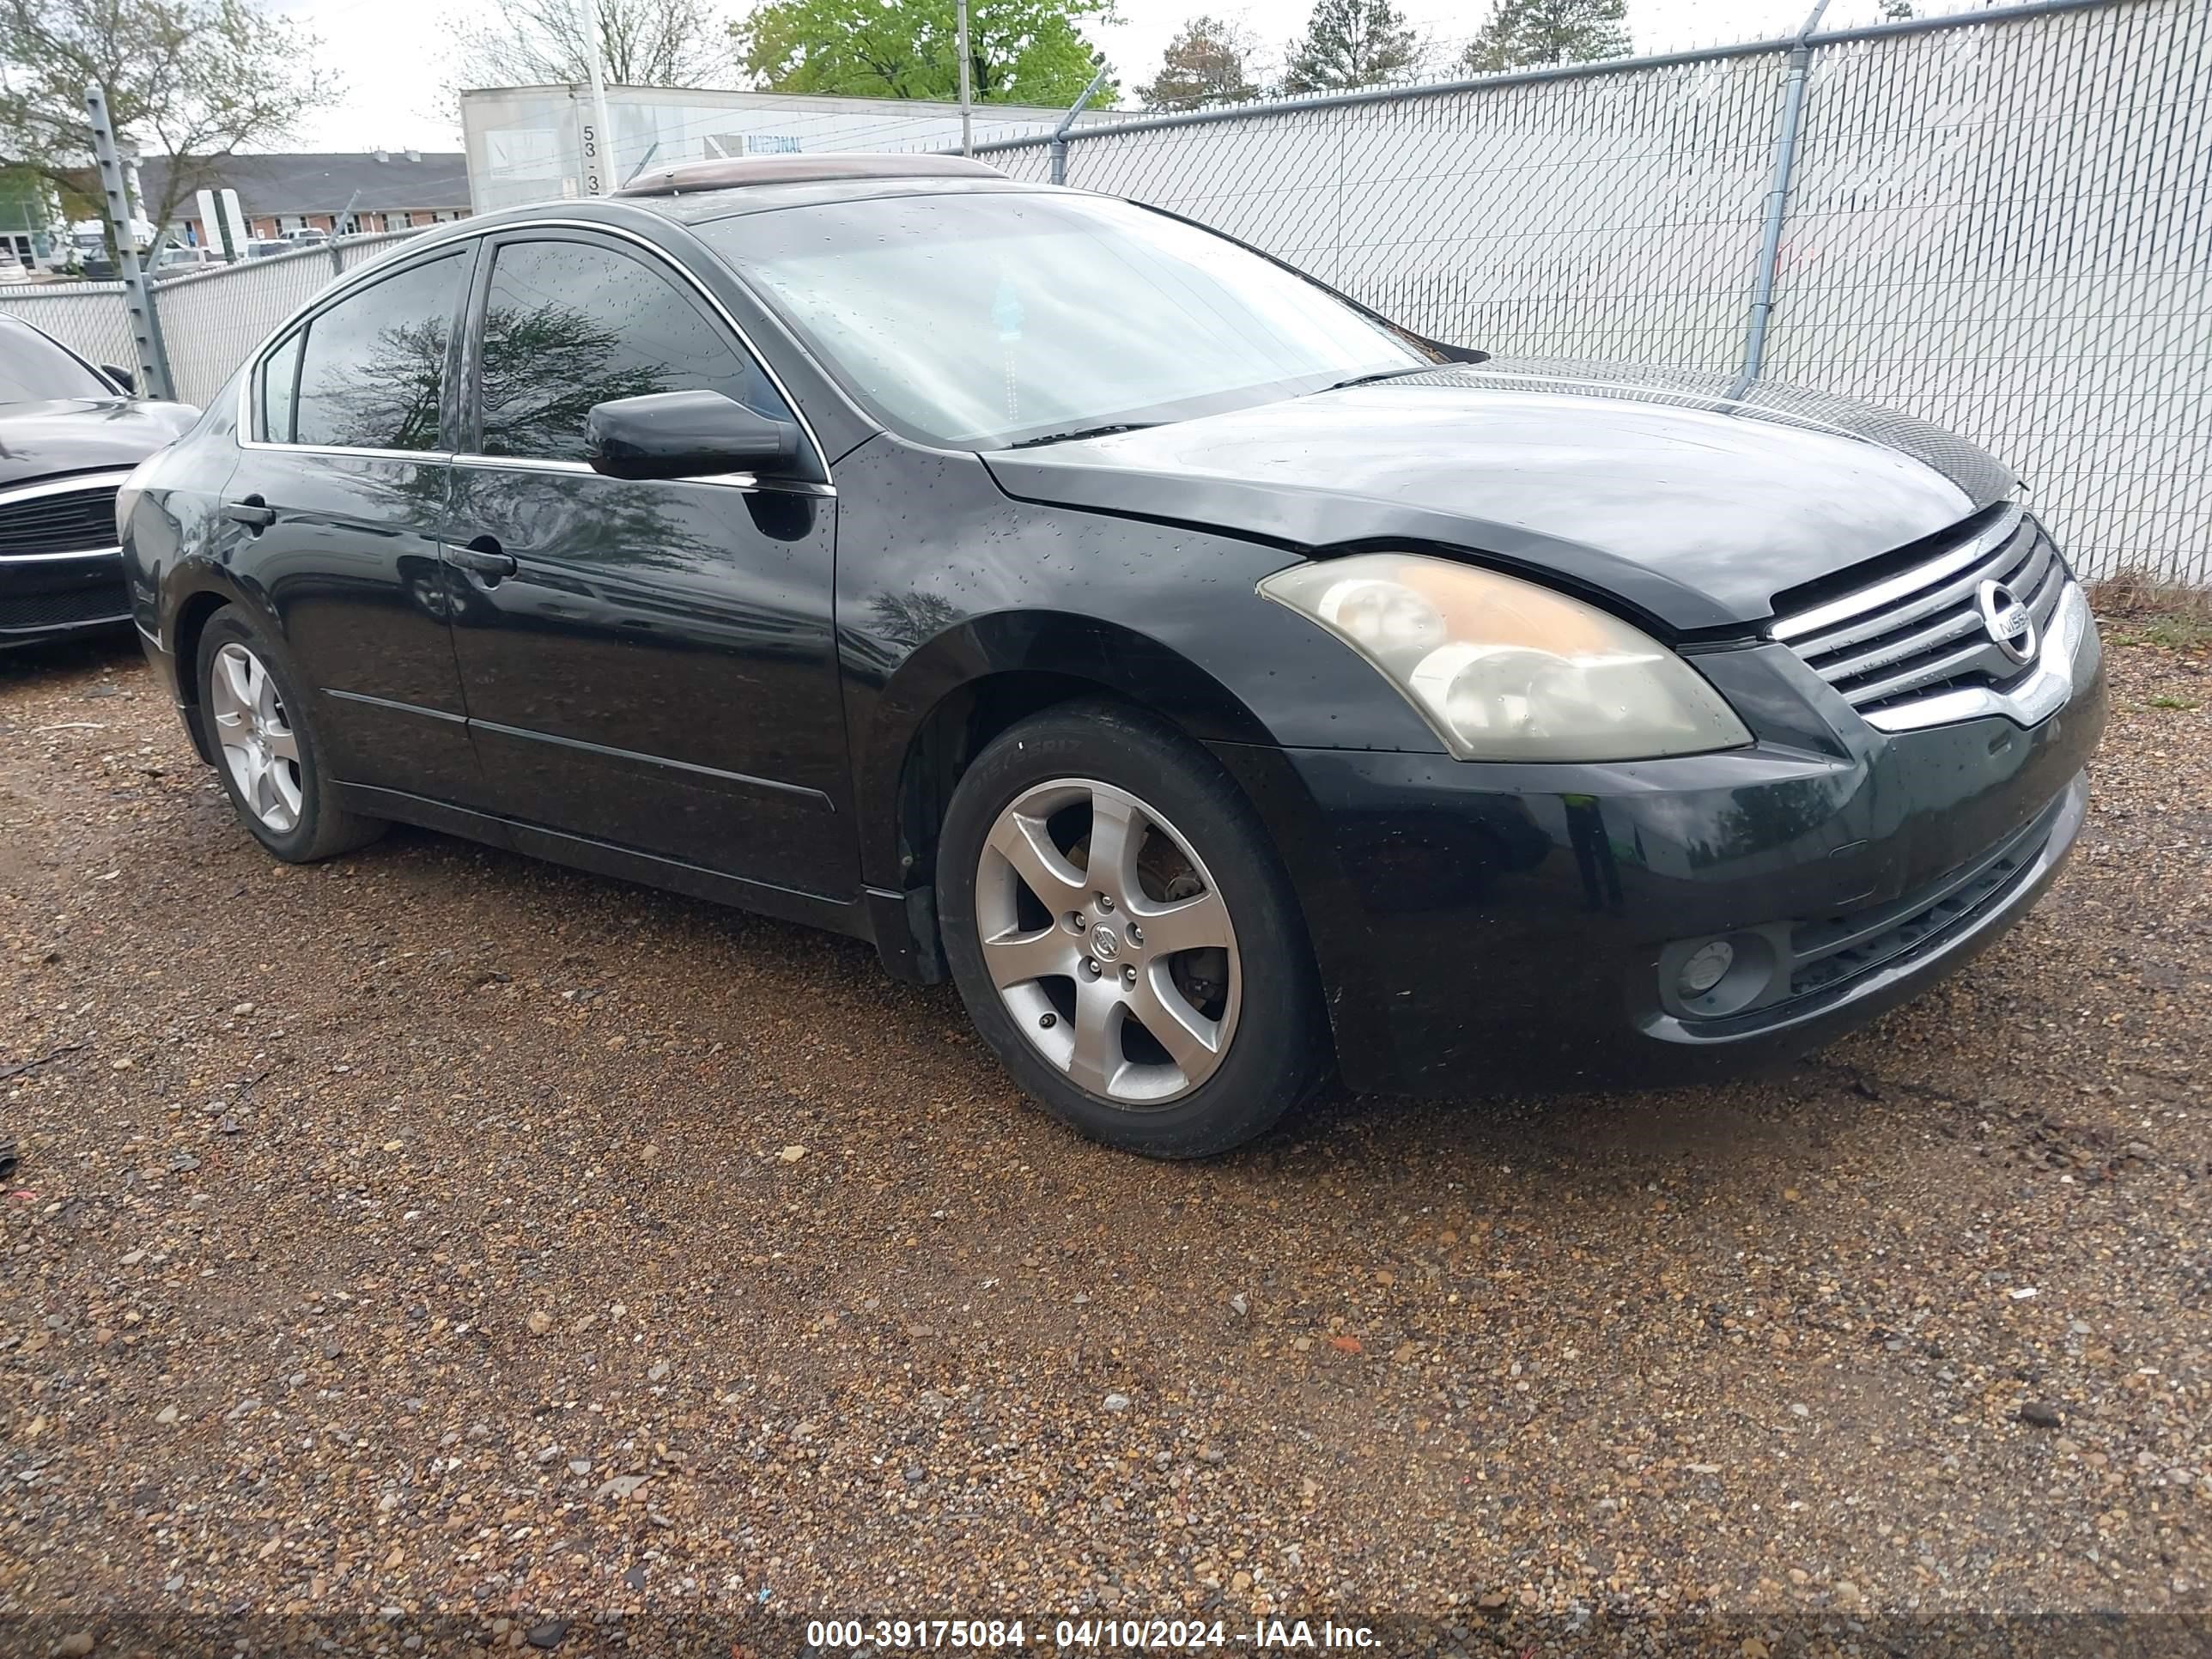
(1723, 975)
(1706, 967)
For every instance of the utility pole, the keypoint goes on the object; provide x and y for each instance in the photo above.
(154, 378)
(599, 137)
(967, 110)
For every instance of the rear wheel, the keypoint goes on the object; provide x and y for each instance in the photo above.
(266, 750)
(1124, 938)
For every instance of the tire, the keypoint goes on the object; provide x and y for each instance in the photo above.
(1016, 893)
(275, 776)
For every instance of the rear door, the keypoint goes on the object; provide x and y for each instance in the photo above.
(649, 665)
(335, 509)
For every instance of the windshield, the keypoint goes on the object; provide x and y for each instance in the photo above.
(983, 320)
(33, 369)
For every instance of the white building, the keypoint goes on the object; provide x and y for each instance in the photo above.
(526, 144)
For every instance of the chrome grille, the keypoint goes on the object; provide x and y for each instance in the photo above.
(59, 516)
(1920, 632)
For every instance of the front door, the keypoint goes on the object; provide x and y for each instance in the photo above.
(649, 665)
(341, 485)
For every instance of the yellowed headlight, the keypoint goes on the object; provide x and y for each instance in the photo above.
(1504, 669)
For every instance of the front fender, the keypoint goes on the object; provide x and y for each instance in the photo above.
(944, 584)
(1085, 654)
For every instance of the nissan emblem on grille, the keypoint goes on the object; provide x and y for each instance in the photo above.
(2009, 623)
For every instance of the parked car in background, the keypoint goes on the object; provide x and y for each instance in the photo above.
(178, 260)
(1212, 677)
(307, 234)
(69, 435)
(268, 247)
(11, 267)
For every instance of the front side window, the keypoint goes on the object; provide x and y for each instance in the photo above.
(989, 318)
(372, 367)
(568, 325)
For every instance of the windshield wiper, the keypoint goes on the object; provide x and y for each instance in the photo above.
(1106, 431)
(1380, 374)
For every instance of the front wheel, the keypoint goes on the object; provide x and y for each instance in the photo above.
(1124, 936)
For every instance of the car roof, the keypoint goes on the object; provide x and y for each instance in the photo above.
(732, 172)
(700, 201)
(700, 206)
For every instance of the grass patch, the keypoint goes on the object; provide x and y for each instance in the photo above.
(2140, 609)
(2164, 702)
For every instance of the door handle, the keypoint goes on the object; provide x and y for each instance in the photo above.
(484, 557)
(253, 513)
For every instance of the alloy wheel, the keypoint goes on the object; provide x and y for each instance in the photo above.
(1108, 941)
(258, 744)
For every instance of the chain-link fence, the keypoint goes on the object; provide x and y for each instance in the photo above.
(2000, 221)
(88, 318)
(211, 319)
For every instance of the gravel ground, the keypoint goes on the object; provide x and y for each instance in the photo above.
(435, 1228)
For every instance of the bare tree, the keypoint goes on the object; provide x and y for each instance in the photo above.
(195, 79)
(643, 43)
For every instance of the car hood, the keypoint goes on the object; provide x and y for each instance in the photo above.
(1654, 486)
(79, 435)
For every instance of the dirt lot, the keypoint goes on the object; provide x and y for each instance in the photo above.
(438, 1229)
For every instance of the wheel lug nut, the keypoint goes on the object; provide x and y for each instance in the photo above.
(1129, 974)
(1089, 967)
(1136, 934)
(1105, 901)
(1078, 920)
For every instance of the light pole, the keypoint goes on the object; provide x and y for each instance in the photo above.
(598, 142)
(967, 113)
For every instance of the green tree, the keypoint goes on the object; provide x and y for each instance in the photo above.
(1209, 62)
(1532, 33)
(1020, 51)
(1350, 44)
(196, 80)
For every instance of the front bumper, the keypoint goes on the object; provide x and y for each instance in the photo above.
(1480, 926)
(48, 596)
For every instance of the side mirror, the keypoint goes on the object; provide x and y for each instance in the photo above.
(685, 435)
(122, 377)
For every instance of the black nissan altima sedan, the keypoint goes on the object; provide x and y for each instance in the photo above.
(69, 435)
(1215, 681)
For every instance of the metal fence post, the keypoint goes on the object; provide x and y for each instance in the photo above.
(154, 378)
(1059, 152)
(1778, 205)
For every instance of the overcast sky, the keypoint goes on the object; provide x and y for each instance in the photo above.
(389, 51)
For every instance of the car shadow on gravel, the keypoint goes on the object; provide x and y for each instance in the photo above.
(735, 969)
(98, 653)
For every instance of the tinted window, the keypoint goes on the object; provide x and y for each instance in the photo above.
(568, 324)
(280, 373)
(33, 369)
(374, 363)
(990, 318)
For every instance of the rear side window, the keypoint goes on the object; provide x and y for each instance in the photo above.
(568, 324)
(373, 365)
(280, 376)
